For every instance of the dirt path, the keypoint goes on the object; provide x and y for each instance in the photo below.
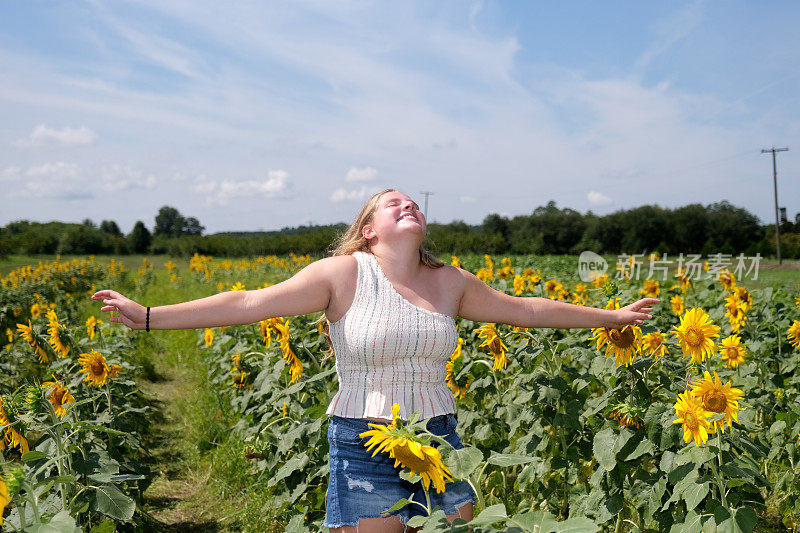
(175, 499)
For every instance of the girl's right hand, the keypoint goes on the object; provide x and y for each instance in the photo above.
(130, 313)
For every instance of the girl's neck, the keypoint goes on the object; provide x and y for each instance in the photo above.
(401, 263)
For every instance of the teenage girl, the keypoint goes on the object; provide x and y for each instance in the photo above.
(391, 309)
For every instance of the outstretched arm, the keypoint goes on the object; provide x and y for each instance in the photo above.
(481, 303)
(306, 292)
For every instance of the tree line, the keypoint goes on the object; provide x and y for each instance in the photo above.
(716, 228)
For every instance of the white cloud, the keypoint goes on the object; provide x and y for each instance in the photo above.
(53, 171)
(468, 199)
(671, 30)
(361, 174)
(70, 181)
(121, 177)
(10, 173)
(276, 184)
(205, 187)
(343, 195)
(44, 136)
(598, 198)
(48, 180)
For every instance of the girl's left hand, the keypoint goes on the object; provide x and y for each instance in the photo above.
(635, 313)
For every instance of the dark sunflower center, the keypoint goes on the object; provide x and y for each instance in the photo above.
(716, 402)
(58, 395)
(690, 420)
(622, 338)
(97, 368)
(496, 346)
(409, 460)
(694, 337)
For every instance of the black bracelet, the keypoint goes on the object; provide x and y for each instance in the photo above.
(147, 321)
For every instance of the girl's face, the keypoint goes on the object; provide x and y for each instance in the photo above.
(395, 214)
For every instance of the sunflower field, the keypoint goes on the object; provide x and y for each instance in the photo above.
(71, 416)
(688, 423)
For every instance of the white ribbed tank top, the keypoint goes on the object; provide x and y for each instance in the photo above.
(389, 351)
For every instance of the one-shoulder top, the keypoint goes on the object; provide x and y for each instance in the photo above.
(389, 351)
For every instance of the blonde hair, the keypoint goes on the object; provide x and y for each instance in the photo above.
(353, 240)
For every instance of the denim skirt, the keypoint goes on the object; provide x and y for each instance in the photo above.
(362, 486)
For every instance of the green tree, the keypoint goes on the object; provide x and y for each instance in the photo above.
(192, 227)
(110, 227)
(169, 222)
(139, 238)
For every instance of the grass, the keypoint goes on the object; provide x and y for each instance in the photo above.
(201, 482)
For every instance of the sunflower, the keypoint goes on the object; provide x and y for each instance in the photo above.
(488, 332)
(533, 279)
(409, 451)
(718, 398)
(794, 334)
(35, 310)
(627, 416)
(736, 311)
(484, 274)
(686, 282)
(694, 418)
(91, 324)
(454, 367)
(289, 356)
(455, 262)
(519, 284)
(743, 296)
(600, 280)
(94, 365)
(654, 342)
(612, 304)
(695, 334)
(237, 363)
(727, 279)
(240, 380)
(33, 339)
(651, 289)
(208, 336)
(268, 328)
(797, 301)
(10, 335)
(59, 395)
(579, 299)
(623, 343)
(57, 334)
(732, 351)
(677, 304)
(11, 438)
(113, 371)
(551, 286)
(4, 498)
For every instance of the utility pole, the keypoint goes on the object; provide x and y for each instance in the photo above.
(425, 211)
(775, 184)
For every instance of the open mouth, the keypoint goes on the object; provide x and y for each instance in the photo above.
(412, 217)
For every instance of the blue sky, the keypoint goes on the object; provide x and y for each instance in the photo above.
(254, 115)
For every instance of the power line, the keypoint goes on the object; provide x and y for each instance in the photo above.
(775, 184)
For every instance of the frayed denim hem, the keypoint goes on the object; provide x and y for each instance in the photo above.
(350, 524)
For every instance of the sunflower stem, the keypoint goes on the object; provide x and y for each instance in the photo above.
(478, 492)
(717, 471)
